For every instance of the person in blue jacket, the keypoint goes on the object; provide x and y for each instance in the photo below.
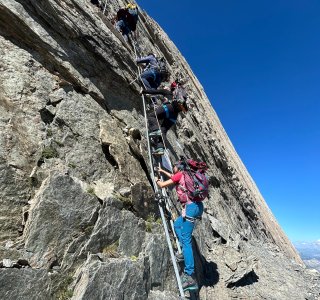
(151, 76)
(166, 115)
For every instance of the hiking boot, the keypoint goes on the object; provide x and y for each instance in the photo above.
(188, 283)
(159, 151)
(155, 133)
(179, 257)
(154, 100)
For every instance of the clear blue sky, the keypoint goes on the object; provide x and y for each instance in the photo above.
(259, 63)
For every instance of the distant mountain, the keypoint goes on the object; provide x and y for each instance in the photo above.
(310, 253)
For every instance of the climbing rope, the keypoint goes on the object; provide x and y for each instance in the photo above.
(161, 195)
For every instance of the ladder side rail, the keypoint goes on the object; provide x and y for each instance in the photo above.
(164, 222)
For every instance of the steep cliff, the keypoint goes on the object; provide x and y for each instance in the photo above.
(78, 219)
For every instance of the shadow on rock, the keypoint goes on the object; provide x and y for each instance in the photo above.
(248, 279)
(206, 272)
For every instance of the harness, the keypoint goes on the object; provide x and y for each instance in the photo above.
(191, 219)
(169, 114)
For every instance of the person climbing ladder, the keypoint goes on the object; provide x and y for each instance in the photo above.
(176, 89)
(132, 18)
(166, 115)
(154, 73)
(190, 198)
(126, 20)
(176, 92)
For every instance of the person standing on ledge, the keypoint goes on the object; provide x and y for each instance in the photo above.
(184, 224)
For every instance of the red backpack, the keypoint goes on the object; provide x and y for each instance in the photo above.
(193, 185)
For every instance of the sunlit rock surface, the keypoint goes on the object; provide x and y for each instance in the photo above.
(77, 217)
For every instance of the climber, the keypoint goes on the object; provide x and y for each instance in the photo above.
(174, 93)
(184, 225)
(132, 18)
(178, 91)
(122, 23)
(166, 115)
(153, 74)
(126, 20)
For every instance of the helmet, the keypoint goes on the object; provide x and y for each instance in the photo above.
(131, 5)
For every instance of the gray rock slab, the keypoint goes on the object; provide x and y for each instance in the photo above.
(60, 210)
(157, 250)
(115, 279)
(25, 284)
(164, 295)
(116, 225)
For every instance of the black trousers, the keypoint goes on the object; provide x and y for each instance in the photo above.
(95, 2)
(164, 122)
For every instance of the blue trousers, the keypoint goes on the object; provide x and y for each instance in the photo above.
(184, 229)
(150, 79)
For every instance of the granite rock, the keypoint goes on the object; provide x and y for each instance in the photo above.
(75, 192)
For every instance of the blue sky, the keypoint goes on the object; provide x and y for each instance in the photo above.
(259, 63)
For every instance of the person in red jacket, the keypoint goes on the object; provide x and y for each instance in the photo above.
(184, 224)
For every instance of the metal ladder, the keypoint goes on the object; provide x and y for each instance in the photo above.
(162, 197)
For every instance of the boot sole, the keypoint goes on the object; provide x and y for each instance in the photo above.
(191, 288)
(179, 259)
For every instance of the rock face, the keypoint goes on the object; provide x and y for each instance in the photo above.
(78, 219)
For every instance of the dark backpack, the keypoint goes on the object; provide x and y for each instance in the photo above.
(163, 68)
(132, 18)
(134, 13)
(194, 184)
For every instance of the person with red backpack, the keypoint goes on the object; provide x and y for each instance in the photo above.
(192, 188)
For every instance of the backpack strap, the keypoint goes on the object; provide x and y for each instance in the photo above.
(169, 115)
